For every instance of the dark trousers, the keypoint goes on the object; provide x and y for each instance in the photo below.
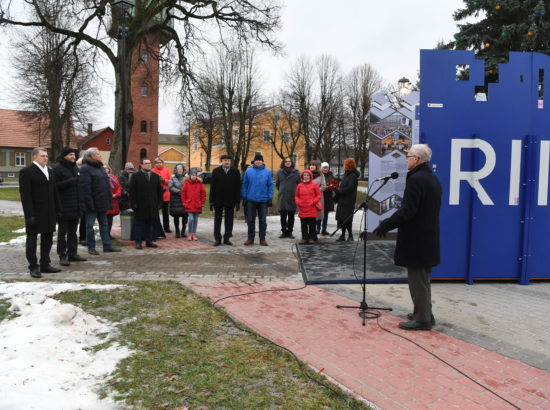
(165, 215)
(143, 230)
(219, 212)
(421, 293)
(183, 223)
(325, 221)
(46, 240)
(346, 226)
(82, 228)
(67, 240)
(287, 221)
(308, 228)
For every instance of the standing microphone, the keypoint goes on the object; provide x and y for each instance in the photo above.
(394, 175)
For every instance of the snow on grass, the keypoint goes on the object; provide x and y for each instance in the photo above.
(46, 355)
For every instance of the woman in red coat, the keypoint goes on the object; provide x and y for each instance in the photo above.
(193, 197)
(308, 200)
(116, 192)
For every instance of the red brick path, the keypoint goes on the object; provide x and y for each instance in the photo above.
(378, 366)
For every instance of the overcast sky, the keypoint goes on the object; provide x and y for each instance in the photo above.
(387, 34)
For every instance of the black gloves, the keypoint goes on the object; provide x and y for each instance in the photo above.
(211, 207)
(382, 229)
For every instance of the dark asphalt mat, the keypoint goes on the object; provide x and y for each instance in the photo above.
(342, 262)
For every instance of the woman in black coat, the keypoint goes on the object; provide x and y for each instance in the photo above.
(346, 195)
(328, 195)
(177, 210)
(287, 180)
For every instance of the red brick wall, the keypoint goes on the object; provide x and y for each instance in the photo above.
(100, 141)
(145, 108)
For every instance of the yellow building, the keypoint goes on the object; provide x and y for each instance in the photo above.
(172, 148)
(273, 134)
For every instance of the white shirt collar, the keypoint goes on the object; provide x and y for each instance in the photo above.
(43, 169)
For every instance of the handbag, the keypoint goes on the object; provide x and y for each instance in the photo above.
(319, 206)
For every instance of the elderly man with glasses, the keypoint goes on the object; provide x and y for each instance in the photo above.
(417, 223)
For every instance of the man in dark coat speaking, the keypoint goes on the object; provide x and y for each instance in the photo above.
(146, 198)
(225, 194)
(41, 206)
(417, 223)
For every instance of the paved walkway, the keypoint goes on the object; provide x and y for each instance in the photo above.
(385, 369)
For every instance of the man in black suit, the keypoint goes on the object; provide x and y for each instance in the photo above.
(417, 223)
(145, 198)
(41, 206)
(225, 194)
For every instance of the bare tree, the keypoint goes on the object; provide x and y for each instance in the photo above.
(361, 84)
(298, 95)
(183, 26)
(53, 82)
(326, 109)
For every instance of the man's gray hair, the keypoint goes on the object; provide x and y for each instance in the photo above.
(423, 152)
(36, 150)
(90, 152)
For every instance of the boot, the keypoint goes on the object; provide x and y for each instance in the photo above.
(178, 232)
(283, 235)
(350, 238)
(182, 234)
(342, 237)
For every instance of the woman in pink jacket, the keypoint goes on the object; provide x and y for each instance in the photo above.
(193, 197)
(308, 200)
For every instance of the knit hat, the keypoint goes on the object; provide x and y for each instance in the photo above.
(225, 156)
(258, 157)
(129, 165)
(68, 150)
(325, 164)
(193, 172)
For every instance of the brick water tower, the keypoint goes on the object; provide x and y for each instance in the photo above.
(144, 92)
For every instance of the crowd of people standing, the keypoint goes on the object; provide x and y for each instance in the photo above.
(81, 192)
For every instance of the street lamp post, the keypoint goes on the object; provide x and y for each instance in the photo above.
(124, 6)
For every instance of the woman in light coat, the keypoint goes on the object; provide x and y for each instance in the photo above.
(319, 179)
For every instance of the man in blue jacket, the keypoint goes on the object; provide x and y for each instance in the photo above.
(257, 191)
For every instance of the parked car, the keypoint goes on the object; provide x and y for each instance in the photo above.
(206, 176)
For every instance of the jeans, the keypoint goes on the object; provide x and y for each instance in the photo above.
(325, 221)
(103, 229)
(219, 212)
(193, 221)
(261, 208)
(67, 240)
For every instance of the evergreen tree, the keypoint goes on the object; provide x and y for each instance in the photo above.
(506, 25)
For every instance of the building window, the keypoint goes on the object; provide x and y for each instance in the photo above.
(267, 136)
(277, 116)
(144, 56)
(19, 159)
(10, 175)
(142, 153)
(144, 90)
(143, 126)
(286, 137)
(107, 141)
(196, 141)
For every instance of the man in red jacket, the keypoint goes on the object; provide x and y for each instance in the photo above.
(164, 176)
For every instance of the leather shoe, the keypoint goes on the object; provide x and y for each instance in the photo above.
(112, 249)
(217, 243)
(410, 316)
(77, 258)
(49, 269)
(263, 242)
(35, 273)
(139, 246)
(151, 245)
(249, 242)
(325, 233)
(414, 325)
(167, 231)
(63, 261)
(93, 252)
(227, 242)
(289, 235)
(83, 243)
(342, 238)
(283, 235)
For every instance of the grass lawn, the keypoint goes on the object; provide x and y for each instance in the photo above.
(10, 194)
(190, 355)
(8, 224)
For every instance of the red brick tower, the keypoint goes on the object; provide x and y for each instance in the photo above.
(144, 89)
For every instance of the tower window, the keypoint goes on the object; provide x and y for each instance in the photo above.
(142, 153)
(144, 56)
(144, 90)
(143, 126)
(107, 141)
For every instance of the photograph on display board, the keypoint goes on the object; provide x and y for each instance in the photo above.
(381, 207)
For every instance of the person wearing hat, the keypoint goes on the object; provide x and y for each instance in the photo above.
(124, 180)
(225, 194)
(257, 191)
(66, 179)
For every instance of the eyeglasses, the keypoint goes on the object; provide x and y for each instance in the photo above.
(412, 156)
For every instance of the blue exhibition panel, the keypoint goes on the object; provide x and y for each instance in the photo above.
(492, 158)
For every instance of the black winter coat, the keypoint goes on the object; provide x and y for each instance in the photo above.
(124, 180)
(225, 189)
(66, 178)
(145, 196)
(347, 194)
(417, 220)
(94, 187)
(286, 182)
(328, 196)
(40, 200)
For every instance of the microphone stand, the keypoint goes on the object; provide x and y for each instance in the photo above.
(363, 306)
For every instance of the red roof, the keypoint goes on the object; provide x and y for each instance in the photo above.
(20, 132)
